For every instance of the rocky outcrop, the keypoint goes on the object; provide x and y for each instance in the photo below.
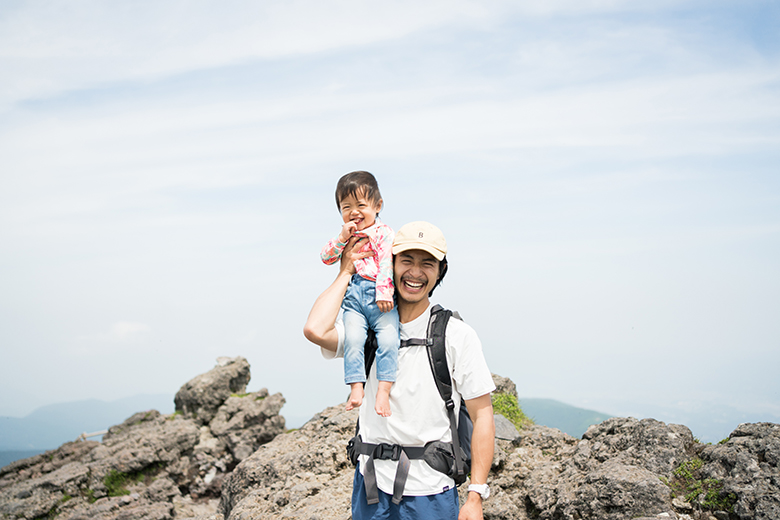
(239, 465)
(613, 472)
(302, 474)
(152, 466)
(201, 397)
(747, 468)
(622, 468)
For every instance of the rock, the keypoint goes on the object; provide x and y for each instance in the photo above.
(748, 467)
(504, 385)
(611, 473)
(681, 504)
(304, 473)
(505, 429)
(200, 397)
(651, 444)
(44, 462)
(244, 423)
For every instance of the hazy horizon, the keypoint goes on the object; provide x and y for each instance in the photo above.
(707, 425)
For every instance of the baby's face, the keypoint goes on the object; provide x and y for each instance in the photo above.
(358, 209)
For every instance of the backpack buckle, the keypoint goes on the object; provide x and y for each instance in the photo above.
(385, 451)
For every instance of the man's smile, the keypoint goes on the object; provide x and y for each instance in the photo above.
(413, 284)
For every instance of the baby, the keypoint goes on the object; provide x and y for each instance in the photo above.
(369, 299)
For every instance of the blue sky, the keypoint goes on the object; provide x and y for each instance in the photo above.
(606, 174)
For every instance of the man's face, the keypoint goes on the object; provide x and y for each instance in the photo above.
(415, 275)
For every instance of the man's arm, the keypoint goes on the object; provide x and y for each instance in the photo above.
(320, 326)
(482, 440)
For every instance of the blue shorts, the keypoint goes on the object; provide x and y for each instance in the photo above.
(441, 506)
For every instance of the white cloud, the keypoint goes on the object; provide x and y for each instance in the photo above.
(48, 47)
(120, 335)
(127, 330)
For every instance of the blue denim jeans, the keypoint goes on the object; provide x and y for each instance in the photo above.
(442, 506)
(361, 313)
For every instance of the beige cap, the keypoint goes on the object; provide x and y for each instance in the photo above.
(420, 235)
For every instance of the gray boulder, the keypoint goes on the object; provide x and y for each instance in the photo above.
(245, 423)
(505, 429)
(200, 397)
(504, 385)
(612, 473)
(301, 474)
(748, 467)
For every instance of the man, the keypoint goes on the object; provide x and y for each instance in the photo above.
(419, 415)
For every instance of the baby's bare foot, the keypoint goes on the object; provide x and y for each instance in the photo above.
(382, 406)
(355, 396)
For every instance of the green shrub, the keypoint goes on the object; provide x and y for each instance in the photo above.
(506, 405)
(706, 493)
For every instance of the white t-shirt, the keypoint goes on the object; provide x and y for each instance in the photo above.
(418, 412)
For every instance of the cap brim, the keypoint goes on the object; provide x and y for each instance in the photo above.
(436, 253)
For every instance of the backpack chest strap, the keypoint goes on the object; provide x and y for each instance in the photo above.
(416, 342)
(384, 451)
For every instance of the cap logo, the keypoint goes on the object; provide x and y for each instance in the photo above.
(420, 234)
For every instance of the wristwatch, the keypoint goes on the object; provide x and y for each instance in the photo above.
(482, 489)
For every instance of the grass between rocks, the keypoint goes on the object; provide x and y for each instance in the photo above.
(507, 405)
(706, 493)
(116, 481)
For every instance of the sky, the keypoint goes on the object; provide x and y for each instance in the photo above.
(606, 172)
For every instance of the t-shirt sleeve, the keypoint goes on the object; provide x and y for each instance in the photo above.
(329, 354)
(470, 372)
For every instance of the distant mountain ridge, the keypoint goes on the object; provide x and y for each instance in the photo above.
(555, 414)
(49, 426)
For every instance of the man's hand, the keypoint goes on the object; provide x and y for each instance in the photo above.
(385, 306)
(346, 231)
(320, 325)
(351, 254)
(472, 509)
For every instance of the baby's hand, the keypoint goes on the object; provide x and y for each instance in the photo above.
(385, 306)
(346, 231)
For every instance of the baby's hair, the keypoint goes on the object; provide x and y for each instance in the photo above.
(357, 183)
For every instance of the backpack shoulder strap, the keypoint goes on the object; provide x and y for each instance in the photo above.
(437, 353)
(437, 356)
